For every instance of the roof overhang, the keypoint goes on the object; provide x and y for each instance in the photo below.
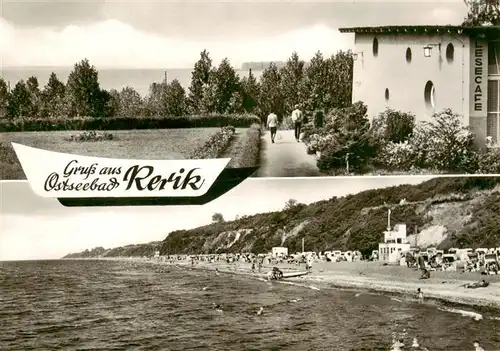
(489, 31)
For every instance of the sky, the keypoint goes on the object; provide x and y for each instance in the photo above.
(33, 227)
(168, 34)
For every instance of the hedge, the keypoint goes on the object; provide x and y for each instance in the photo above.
(126, 123)
(215, 145)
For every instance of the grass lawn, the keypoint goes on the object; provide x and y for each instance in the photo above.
(137, 144)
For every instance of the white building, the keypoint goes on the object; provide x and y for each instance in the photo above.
(395, 243)
(424, 69)
(279, 251)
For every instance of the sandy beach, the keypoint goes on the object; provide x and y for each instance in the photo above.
(445, 287)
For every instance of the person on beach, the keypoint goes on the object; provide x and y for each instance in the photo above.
(297, 119)
(272, 124)
(260, 264)
(253, 266)
(477, 347)
(420, 295)
(309, 264)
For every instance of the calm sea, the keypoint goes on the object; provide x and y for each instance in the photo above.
(104, 305)
(139, 79)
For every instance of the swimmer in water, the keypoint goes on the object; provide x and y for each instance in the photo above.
(477, 347)
(217, 307)
(397, 345)
(260, 311)
(415, 344)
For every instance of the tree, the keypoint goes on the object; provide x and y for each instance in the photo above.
(315, 85)
(130, 103)
(271, 96)
(19, 102)
(482, 12)
(292, 75)
(114, 102)
(250, 88)
(291, 203)
(199, 79)
(52, 97)
(175, 99)
(339, 80)
(4, 98)
(217, 218)
(86, 98)
(227, 83)
(154, 100)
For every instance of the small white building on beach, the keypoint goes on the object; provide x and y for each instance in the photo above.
(395, 243)
(279, 251)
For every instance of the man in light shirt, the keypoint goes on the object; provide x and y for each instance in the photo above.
(297, 118)
(272, 124)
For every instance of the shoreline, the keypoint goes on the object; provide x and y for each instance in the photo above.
(443, 287)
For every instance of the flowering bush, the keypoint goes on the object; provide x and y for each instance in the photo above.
(392, 125)
(91, 136)
(215, 145)
(317, 142)
(397, 156)
(444, 144)
(450, 143)
(489, 161)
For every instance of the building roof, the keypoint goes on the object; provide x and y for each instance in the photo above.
(425, 29)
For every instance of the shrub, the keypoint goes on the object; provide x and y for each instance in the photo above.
(444, 144)
(250, 154)
(489, 161)
(397, 156)
(450, 143)
(319, 119)
(346, 137)
(91, 136)
(215, 145)
(393, 126)
(126, 123)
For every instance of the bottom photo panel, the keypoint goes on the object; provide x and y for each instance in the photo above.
(373, 263)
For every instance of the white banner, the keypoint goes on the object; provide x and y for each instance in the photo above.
(55, 174)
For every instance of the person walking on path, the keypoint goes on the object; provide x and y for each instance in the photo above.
(297, 119)
(272, 124)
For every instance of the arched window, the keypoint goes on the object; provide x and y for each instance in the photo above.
(450, 52)
(387, 94)
(429, 94)
(375, 47)
(408, 55)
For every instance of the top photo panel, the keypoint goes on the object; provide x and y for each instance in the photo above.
(297, 89)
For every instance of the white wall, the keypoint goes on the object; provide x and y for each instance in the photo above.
(406, 81)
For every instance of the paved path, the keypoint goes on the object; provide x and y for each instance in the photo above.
(285, 158)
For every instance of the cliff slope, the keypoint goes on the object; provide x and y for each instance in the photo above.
(445, 212)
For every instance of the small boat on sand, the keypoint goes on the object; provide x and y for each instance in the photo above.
(277, 274)
(294, 274)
